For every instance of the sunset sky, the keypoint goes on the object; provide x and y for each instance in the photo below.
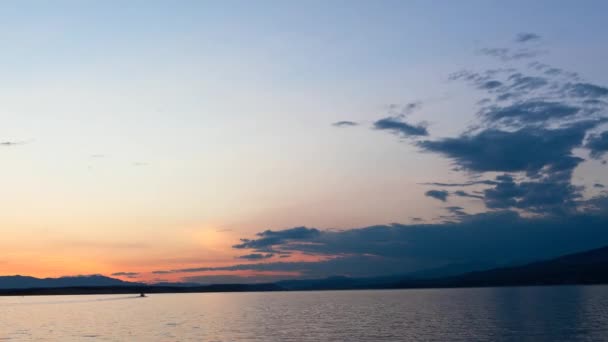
(145, 139)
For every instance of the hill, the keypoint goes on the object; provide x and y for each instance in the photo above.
(590, 267)
(24, 282)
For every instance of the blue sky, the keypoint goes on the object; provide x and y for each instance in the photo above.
(149, 135)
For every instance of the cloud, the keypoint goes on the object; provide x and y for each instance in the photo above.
(456, 211)
(492, 84)
(586, 90)
(506, 54)
(526, 37)
(526, 150)
(126, 274)
(598, 145)
(404, 110)
(523, 82)
(461, 193)
(529, 112)
(552, 71)
(471, 183)
(521, 151)
(269, 238)
(396, 125)
(547, 195)
(256, 256)
(344, 124)
(530, 124)
(543, 156)
(491, 239)
(599, 186)
(411, 107)
(441, 195)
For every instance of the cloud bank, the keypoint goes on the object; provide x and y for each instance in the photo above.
(535, 125)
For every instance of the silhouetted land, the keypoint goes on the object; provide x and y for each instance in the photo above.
(590, 267)
(136, 289)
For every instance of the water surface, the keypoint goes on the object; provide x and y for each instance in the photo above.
(562, 313)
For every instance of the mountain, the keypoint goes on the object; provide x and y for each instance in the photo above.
(24, 282)
(137, 289)
(97, 284)
(590, 267)
(175, 284)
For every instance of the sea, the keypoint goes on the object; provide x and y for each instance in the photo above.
(555, 313)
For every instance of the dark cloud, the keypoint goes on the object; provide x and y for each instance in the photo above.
(471, 183)
(269, 238)
(506, 54)
(407, 109)
(344, 124)
(396, 125)
(521, 82)
(162, 272)
(461, 193)
(529, 126)
(490, 84)
(598, 205)
(528, 112)
(541, 92)
(543, 155)
(599, 186)
(525, 150)
(456, 211)
(411, 107)
(126, 274)
(586, 90)
(598, 145)
(522, 153)
(548, 70)
(493, 238)
(507, 84)
(526, 37)
(441, 195)
(256, 256)
(548, 195)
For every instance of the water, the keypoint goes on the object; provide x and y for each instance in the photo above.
(568, 313)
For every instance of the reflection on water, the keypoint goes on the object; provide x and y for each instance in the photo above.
(568, 313)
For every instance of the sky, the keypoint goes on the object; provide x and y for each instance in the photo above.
(242, 141)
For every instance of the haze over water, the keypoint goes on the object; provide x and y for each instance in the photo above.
(562, 313)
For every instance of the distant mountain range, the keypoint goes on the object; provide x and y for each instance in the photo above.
(589, 267)
(23, 282)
